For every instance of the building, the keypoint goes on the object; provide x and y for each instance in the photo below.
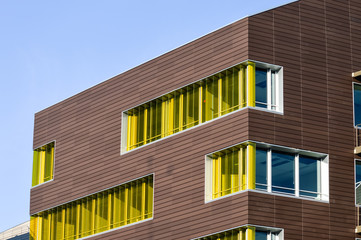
(19, 232)
(245, 133)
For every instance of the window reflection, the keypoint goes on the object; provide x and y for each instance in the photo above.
(261, 169)
(261, 235)
(357, 104)
(283, 172)
(310, 183)
(261, 87)
(358, 182)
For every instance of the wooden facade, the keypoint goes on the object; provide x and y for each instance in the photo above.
(316, 41)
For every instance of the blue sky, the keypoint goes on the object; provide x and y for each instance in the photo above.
(51, 50)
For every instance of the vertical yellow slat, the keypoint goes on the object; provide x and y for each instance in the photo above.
(200, 114)
(225, 88)
(242, 234)
(171, 116)
(33, 227)
(98, 212)
(151, 121)
(214, 178)
(235, 176)
(145, 125)
(42, 164)
(83, 218)
(241, 169)
(129, 130)
(251, 233)
(50, 229)
(251, 84)
(52, 162)
(209, 101)
(110, 217)
(115, 208)
(126, 205)
(150, 196)
(226, 174)
(134, 131)
(181, 111)
(251, 165)
(143, 199)
(131, 202)
(54, 217)
(63, 222)
(163, 120)
(78, 224)
(186, 113)
(93, 216)
(219, 96)
(242, 87)
(40, 227)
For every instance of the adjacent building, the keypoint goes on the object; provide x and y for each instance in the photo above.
(19, 232)
(249, 132)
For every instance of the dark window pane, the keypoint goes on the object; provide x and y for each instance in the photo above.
(309, 176)
(261, 88)
(283, 172)
(261, 169)
(357, 103)
(358, 182)
(261, 235)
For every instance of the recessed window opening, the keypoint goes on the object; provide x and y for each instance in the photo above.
(119, 206)
(248, 84)
(267, 168)
(246, 232)
(43, 164)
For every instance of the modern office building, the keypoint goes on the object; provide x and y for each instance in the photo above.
(19, 232)
(249, 132)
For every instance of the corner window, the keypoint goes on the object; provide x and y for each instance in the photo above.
(43, 164)
(292, 172)
(248, 84)
(246, 232)
(267, 168)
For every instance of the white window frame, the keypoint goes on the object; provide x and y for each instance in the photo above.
(273, 89)
(324, 172)
(40, 184)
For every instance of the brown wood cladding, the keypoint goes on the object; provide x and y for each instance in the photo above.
(314, 42)
(318, 43)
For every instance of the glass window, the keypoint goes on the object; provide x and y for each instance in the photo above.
(228, 171)
(357, 103)
(261, 87)
(268, 168)
(125, 204)
(261, 169)
(358, 182)
(310, 181)
(261, 235)
(283, 172)
(246, 84)
(246, 232)
(43, 164)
